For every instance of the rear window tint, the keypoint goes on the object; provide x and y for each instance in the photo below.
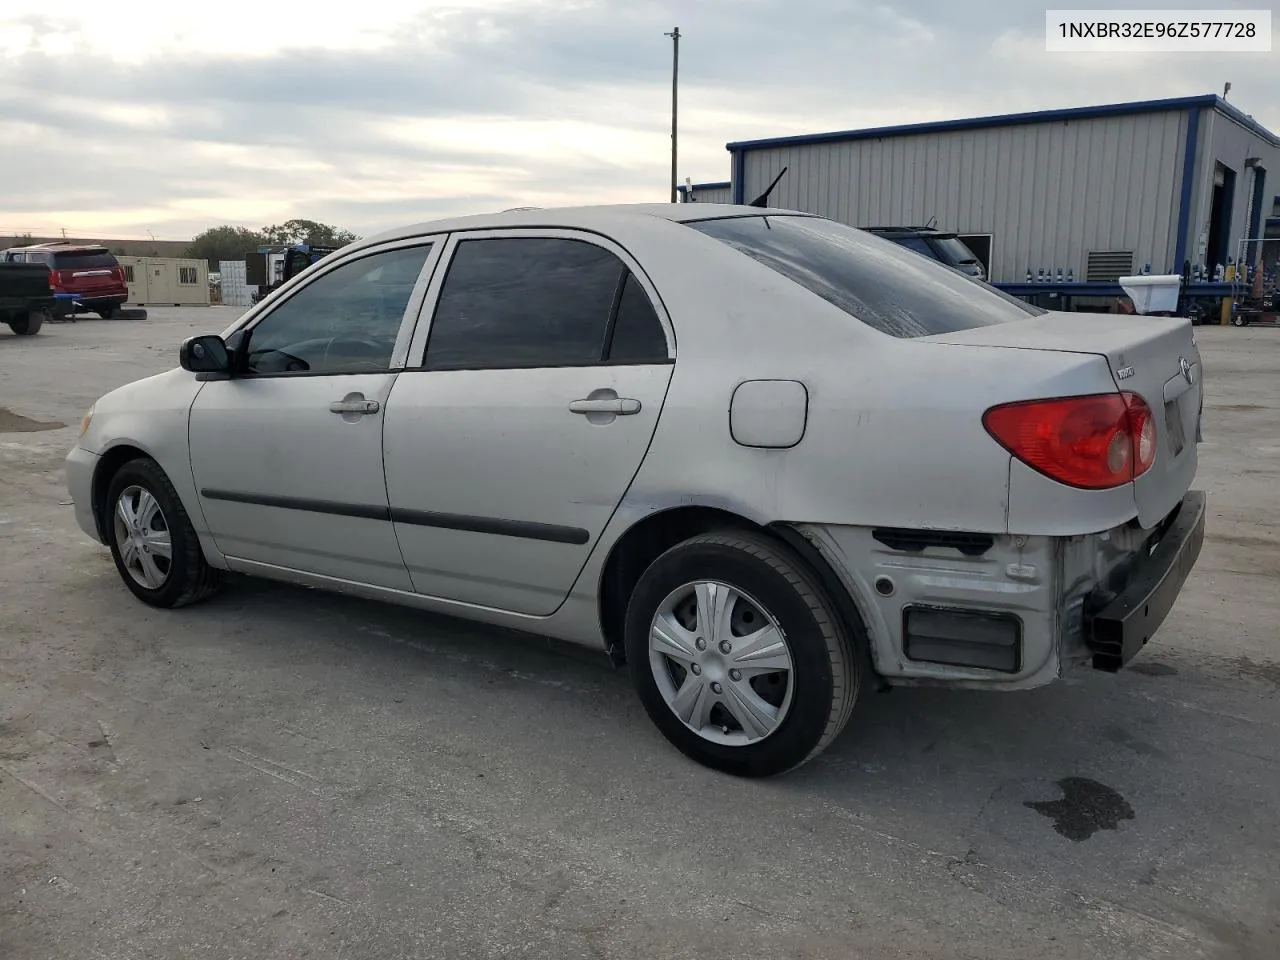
(956, 249)
(881, 283)
(84, 259)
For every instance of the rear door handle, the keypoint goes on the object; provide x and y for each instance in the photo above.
(354, 406)
(618, 406)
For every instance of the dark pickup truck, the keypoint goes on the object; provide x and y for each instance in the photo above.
(26, 298)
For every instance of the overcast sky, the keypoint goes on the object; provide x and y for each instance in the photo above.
(124, 118)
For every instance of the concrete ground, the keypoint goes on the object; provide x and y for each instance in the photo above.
(280, 773)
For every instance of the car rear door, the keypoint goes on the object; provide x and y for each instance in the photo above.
(287, 455)
(542, 374)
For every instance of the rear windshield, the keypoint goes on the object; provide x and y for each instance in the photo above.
(884, 285)
(956, 249)
(84, 259)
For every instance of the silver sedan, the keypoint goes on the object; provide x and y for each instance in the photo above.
(763, 459)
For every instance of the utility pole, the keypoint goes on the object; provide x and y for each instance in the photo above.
(675, 86)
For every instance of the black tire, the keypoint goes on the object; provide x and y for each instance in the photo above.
(827, 671)
(189, 577)
(28, 325)
(1237, 321)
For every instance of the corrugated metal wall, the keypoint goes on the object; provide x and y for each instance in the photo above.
(722, 194)
(1224, 141)
(235, 290)
(1048, 193)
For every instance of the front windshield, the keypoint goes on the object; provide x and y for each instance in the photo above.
(881, 283)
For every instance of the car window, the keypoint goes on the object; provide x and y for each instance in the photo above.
(84, 260)
(955, 250)
(345, 321)
(874, 280)
(30, 256)
(916, 244)
(523, 301)
(637, 331)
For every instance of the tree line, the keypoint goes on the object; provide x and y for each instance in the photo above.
(236, 243)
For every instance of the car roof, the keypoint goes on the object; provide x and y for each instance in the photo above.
(601, 217)
(57, 247)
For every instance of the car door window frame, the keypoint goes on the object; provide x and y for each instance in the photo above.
(416, 354)
(239, 335)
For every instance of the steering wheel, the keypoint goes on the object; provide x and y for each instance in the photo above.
(374, 347)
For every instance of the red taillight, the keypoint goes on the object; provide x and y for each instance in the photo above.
(1095, 442)
(53, 279)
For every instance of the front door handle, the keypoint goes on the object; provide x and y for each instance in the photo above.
(354, 403)
(617, 406)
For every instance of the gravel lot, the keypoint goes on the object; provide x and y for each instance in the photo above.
(283, 773)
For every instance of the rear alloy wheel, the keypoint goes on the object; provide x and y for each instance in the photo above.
(738, 656)
(153, 543)
(29, 325)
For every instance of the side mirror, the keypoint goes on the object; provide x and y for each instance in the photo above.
(205, 354)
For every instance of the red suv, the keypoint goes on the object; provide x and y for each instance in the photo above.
(88, 276)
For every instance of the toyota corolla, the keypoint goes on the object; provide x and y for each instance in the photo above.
(764, 459)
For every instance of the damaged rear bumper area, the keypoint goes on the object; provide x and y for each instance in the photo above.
(1120, 624)
(1010, 611)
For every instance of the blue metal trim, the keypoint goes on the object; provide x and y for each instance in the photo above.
(1188, 183)
(1104, 289)
(684, 187)
(1016, 119)
(739, 176)
(1255, 216)
(1246, 121)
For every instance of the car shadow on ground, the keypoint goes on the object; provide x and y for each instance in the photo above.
(1154, 718)
(1123, 789)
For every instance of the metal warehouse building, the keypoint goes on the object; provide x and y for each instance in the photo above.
(721, 192)
(1100, 190)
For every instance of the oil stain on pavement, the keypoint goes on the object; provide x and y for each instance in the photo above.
(1086, 807)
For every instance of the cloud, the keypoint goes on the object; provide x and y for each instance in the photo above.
(390, 111)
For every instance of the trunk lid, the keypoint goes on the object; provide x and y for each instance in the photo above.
(1155, 357)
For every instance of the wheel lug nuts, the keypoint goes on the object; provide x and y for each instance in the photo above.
(725, 646)
(700, 644)
(697, 670)
(715, 688)
(735, 675)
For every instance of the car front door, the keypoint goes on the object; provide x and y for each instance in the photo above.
(545, 368)
(287, 454)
